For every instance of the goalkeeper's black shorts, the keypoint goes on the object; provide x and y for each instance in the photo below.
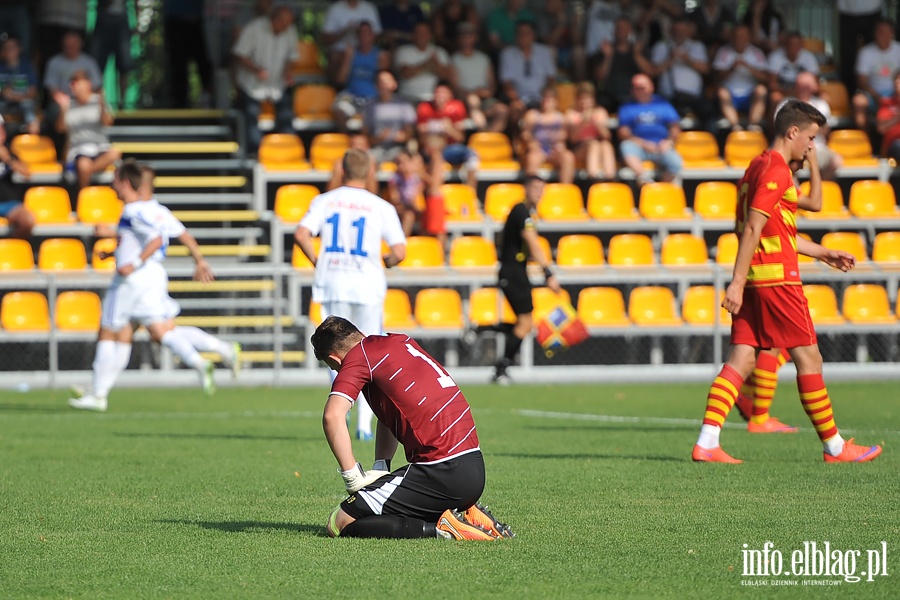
(422, 491)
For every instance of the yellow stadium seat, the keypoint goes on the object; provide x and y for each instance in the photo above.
(488, 307)
(293, 200)
(62, 254)
(472, 251)
(16, 255)
(460, 202)
(832, 202)
(663, 201)
(38, 152)
(566, 94)
(726, 249)
(700, 304)
(716, 200)
(611, 201)
(500, 198)
(103, 264)
(873, 200)
(867, 303)
(814, 45)
(630, 250)
(561, 202)
(823, 307)
(544, 243)
(315, 313)
(50, 205)
(99, 204)
(423, 251)
(886, 248)
(24, 311)
(282, 152)
(78, 311)
(299, 260)
(397, 310)
(326, 148)
(743, 146)
(699, 150)
(653, 306)
(494, 151)
(313, 102)
(853, 146)
(847, 241)
(835, 93)
(602, 307)
(682, 249)
(307, 62)
(545, 300)
(439, 308)
(579, 250)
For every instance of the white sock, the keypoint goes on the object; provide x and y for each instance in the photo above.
(183, 349)
(363, 415)
(709, 437)
(205, 342)
(834, 445)
(105, 371)
(123, 355)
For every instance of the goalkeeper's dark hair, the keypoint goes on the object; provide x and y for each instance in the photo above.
(797, 113)
(335, 335)
(130, 171)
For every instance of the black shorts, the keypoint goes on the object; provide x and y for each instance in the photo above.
(422, 491)
(517, 288)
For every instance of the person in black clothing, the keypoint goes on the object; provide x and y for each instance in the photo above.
(519, 242)
(19, 218)
(620, 60)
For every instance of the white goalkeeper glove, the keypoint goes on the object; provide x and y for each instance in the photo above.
(356, 478)
(382, 464)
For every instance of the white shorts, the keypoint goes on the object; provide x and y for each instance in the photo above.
(143, 297)
(368, 318)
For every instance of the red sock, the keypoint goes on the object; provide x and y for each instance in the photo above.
(817, 404)
(722, 395)
(765, 380)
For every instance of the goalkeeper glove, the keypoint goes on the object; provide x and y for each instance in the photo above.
(382, 464)
(356, 478)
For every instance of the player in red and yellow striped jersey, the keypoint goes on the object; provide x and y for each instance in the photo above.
(766, 295)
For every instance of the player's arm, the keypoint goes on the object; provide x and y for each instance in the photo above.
(749, 240)
(537, 254)
(837, 259)
(202, 271)
(385, 446)
(334, 422)
(303, 237)
(151, 247)
(813, 201)
(395, 256)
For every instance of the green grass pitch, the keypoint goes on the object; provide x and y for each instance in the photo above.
(172, 495)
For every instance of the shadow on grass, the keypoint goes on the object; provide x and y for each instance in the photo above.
(251, 526)
(585, 456)
(213, 436)
(35, 408)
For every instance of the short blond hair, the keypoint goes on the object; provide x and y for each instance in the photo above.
(356, 165)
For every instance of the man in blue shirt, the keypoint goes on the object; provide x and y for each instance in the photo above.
(647, 129)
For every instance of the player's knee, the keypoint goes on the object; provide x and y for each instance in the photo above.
(337, 520)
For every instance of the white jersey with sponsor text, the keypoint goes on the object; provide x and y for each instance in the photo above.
(137, 228)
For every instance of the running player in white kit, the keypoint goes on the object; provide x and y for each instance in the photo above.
(349, 280)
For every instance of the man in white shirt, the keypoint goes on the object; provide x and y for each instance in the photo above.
(857, 20)
(421, 65)
(875, 67)
(349, 280)
(786, 63)
(476, 82)
(680, 65)
(741, 70)
(341, 22)
(525, 70)
(263, 52)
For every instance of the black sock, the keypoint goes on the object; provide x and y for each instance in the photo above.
(513, 343)
(389, 526)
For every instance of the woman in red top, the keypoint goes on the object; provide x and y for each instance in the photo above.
(589, 135)
(887, 120)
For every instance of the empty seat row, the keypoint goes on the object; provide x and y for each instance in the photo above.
(51, 205)
(29, 312)
(55, 254)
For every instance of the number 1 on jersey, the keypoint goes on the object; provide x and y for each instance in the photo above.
(335, 245)
(444, 380)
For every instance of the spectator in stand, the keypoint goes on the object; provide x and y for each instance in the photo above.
(388, 121)
(55, 19)
(358, 73)
(21, 220)
(442, 135)
(186, 43)
(806, 88)
(786, 63)
(263, 53)
(502, 24)
(653, 19)
(622, 60)
(61, 67)
(741, 71)
(857, 21)
(875, 67)
(421, 65)
(647, 130)
(398, 21)
(887, 121)
(525, 70)
(15, 20)
(589, 136)
(475, 82)
(765, 23)
(714, 24)
(341, 21)
(84, 116)
(18, 87)
(545, 135)
(681, 64)
(447, 20)
(406, 189)
(555, 30)
(112, 37)
(602, 17)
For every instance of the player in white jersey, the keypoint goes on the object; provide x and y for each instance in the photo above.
(138, 293)
(349, 280)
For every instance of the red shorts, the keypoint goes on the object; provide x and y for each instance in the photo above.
(774, 317)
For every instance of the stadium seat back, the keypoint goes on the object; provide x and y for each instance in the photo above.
(682, 249)
(726, 249)
(307, 62)
(848, 241)
(326, 149)
(472, 251)
(545, 300)
(315, 313)
(867, 303)
(16, 255)
(487, 307)
(500, 198)
(835, 93)
(653, 306)
(832, 202)
(50, 205)
(630, 250)
(24, 311)
(397, 310)
(700, 305)
(78, 311)
(423, 251)
(293, 200)
(566, 94)
(716, 200)
(663, 201)
(873, 200)
(699, 149)
(743, 146)
(851, 144)
(579, 250)
(313, 101)
(602, 307)
(544, 243)
(611, 201)
(99, 204)
(460, 202)
(103, 264)
(34, 149)
(282, 151)
(561, 202)
(494, 150)
(822, 303)
(62, 254)
(439, 308)
(299, 260)
(886, 248)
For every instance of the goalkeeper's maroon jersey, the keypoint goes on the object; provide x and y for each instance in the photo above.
(412, 394)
